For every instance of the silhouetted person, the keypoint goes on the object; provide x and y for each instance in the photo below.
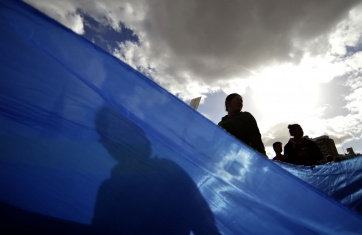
(240, 124)
(329, 159)
(145, 195)
(278, 148)
(300, 150)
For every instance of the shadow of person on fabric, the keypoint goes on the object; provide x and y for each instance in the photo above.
(145, 195)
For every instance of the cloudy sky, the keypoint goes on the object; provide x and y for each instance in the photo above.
(292, 61)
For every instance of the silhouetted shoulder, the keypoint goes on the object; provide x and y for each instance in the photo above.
(222, 119)
(247, 115)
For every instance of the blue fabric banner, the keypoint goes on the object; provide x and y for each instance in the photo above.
(89, 145)
(340, 180)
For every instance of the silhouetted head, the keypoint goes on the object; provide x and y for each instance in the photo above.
(121, 137)
(233, 103)
(296, 130)
(277, 146)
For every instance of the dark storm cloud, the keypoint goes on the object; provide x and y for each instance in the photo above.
(212, 40)
(217, 38)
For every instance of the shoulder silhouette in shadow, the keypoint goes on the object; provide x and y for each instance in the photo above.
(144, 194)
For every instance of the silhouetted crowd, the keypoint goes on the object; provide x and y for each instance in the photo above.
(299, 150)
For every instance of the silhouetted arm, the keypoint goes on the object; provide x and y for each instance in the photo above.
(289, 153)
(254, 133)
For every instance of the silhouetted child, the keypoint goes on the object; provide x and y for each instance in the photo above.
(278, 148)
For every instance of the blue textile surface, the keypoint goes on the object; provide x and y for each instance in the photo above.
(340, 180)
(85, 139)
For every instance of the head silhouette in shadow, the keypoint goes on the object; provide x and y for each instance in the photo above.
(145, 195)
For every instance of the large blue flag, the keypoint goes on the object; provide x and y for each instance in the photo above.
(340, 180)
(89, 145)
